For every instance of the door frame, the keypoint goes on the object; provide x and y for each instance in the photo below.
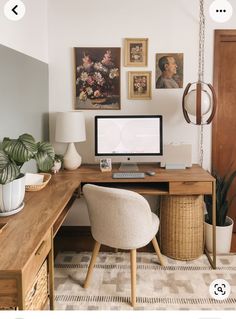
(220, 36)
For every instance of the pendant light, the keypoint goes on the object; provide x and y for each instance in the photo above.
(199, 98)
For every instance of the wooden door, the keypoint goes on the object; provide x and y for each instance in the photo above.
(224, 124)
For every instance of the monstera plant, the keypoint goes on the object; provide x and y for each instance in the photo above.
(13, 154)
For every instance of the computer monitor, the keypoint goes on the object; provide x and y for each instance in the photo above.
(129, 138)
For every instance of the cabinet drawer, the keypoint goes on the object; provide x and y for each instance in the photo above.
(8, 293)
(37, 295)
(36, 261)
(190, 188)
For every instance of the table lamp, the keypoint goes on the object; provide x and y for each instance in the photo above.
(70, 128)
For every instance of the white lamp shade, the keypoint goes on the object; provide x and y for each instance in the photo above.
(70, 127)
(190, 102)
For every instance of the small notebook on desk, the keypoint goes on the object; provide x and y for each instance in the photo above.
(128, 175)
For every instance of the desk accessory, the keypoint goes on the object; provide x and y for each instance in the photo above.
(128, 175)
(150, 173)
(70, 128)
(177, 156)
(105, 165)
(36, 182)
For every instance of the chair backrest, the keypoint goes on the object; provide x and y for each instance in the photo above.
(119, 218)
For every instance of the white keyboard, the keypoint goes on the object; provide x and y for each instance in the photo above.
(128, 175)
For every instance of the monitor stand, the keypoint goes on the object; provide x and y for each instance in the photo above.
(128, 167)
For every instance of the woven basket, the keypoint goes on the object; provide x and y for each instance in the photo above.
(37, 295)
(35, 188)
(181, 226)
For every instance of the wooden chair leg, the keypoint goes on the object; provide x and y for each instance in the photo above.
(92, 263)
(133, 276)
(157, 250)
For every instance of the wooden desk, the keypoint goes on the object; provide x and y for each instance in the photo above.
(27, 240)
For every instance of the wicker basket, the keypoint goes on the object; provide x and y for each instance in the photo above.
(37, 295)
(35, 188)
(181, 226)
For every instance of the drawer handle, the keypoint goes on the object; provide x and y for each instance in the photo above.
(34, 289)
(189, 183)
(38, 252)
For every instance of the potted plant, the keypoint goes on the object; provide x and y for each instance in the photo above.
(224, 224)
(13, 154)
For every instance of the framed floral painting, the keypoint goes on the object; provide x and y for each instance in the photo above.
(136, 52)
(97, 77)
(140, 85)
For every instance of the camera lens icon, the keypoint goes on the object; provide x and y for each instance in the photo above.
(219, 289)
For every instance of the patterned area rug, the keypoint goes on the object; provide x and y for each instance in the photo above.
(180, 285)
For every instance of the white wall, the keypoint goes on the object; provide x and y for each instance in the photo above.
(28, 35)
(170, 26)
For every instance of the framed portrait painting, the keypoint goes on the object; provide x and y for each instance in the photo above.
(169, 70)
(140, 85)
(97, 78)
(136, 52)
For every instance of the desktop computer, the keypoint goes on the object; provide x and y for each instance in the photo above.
(129, 139)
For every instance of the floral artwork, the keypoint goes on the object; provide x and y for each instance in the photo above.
(136, 52)
(97, 78)
(140, 85)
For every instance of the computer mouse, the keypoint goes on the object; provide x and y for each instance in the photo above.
(150, 173)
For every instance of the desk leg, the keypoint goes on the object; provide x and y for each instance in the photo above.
(213, 259)
(51, 274)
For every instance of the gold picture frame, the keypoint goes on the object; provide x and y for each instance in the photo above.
(136, 52)
(140, 84)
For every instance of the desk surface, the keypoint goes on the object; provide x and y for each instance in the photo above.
(23, 232)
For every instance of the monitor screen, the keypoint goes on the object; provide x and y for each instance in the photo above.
(128, 135)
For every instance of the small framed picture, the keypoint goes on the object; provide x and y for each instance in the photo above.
(105, 165)
(169, 70)
(136, 52)
(140, 85)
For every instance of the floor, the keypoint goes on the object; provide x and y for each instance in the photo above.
(179, 285)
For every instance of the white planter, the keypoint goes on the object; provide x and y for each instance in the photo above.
(223, 237)
(12, 195)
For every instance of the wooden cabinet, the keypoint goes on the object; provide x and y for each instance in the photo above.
(190, 188)
(28, 288)
(37, 295)
(36, 260)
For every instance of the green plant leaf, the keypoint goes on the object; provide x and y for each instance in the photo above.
(45, 156)
(223, 201)
(20, 150)
(8, 169)
(227, 184)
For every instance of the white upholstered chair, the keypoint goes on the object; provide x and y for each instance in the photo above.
(120, 219)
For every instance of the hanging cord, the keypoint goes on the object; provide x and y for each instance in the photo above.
(201, 65)
(201, 146)
(201, 42)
